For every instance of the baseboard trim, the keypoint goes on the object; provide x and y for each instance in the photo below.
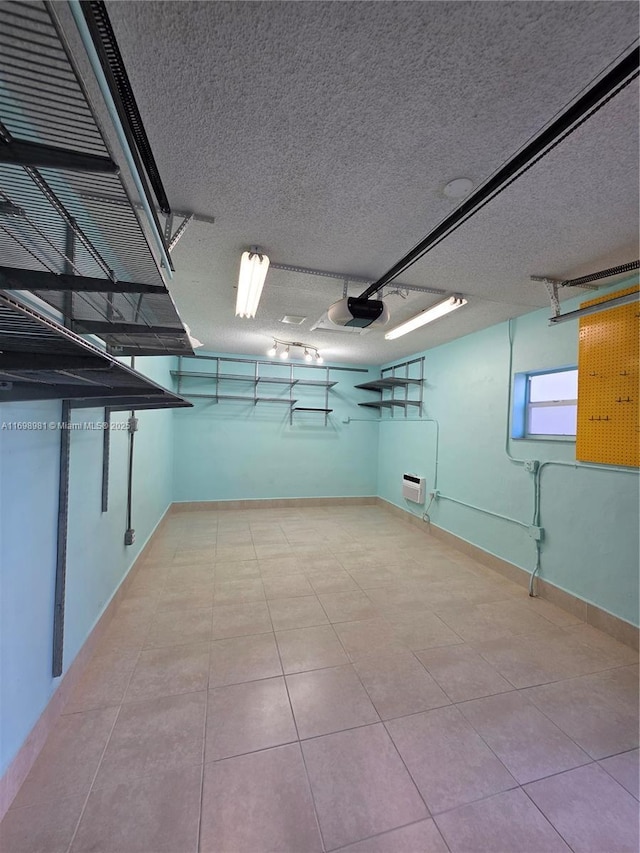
(19, 768)
(612, 625)
(25, 758)
(270, 503)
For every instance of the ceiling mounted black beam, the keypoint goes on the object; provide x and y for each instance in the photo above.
(23, 279)
(125, 404)
(80, 394)
(119, 350)
(101, 327)
(20, 153)
(602, 91)
(28, 361)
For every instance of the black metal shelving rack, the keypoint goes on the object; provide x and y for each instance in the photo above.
(71, 232)
(397, 378)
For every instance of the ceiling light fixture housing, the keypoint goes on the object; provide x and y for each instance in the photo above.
(361, 313)
(458, 188)
(426, 316)
(309, 352)
(253, 271)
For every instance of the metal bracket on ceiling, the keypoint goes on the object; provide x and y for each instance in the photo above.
(355, 279)
(172, 239)
(552, 285)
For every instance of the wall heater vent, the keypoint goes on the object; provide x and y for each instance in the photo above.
(413, 488)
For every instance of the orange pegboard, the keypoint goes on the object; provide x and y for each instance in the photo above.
(608, 384)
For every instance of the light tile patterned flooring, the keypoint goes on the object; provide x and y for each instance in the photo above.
(320, 679)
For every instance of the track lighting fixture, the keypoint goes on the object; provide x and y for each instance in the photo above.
(309, 353)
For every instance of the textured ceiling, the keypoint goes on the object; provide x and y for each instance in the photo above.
(325, 132)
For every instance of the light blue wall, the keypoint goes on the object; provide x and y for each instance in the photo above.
(240, 451)
(97, 557)
(237, 450)
(590, 516)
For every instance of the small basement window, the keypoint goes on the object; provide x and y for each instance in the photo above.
(546, 404)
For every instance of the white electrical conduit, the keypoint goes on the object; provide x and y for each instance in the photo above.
(585, 466)
(537, 475)
(507, 432)
(485, 511)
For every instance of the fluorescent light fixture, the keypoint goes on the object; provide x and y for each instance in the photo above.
(426, 316)
(253, 271)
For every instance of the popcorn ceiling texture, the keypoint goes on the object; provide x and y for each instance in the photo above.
(325, 133)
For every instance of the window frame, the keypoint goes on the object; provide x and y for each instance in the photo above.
(522, 405)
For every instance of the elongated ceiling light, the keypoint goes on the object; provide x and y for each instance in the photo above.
(426, 316)
(253, 271)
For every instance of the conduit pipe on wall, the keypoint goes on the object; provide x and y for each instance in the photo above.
(485, 511)
(538, 496)
(507, 434)
(412, 420)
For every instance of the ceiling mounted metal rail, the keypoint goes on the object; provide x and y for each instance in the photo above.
(58, 182)
(578, 112)
(104, 40)
(347, 279)
(614, 302)
(101, 55)
(553, 284)
(596, 276)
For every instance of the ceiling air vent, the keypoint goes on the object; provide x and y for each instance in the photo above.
(292, 320)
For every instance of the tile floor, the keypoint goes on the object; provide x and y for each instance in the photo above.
(333, 679)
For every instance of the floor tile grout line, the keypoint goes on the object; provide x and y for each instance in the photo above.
(557, 725)
(124, 692)
(385, 833)
(93, 780)
(409, 773)
(204, 747)
(612, 666)
(313, 797)
(557, 773)
(548, 820)
(301, 751)
(599, 761)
